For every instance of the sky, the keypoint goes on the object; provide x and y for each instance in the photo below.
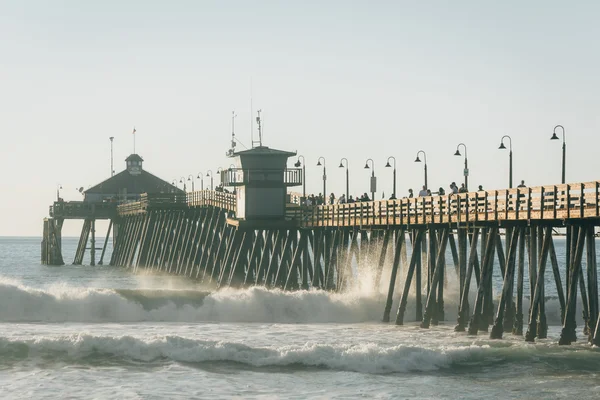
(354, 79)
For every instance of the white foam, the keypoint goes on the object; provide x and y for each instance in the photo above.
(366, 358)
(73, 304)
(63, 303)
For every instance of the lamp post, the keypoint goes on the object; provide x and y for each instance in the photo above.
(324, 178)
(373, 188)
(424, 165)
(112, 169)
(58, 187)
(564, 150)
(209, 173)
(191, 179)
(220, 177)
(389, 166)
(510, 159)
(297, 165)
(201, 177)
(182, 180)
(466, 171)
(347, 177)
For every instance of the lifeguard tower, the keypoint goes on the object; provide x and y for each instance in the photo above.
(261, 179)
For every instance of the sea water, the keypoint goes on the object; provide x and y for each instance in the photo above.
(101, 332)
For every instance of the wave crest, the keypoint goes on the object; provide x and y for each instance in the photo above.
(71, 304)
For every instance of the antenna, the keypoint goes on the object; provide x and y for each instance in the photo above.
(133, 139)
(112, 170)
(259, 129)
(233, 139)
(251, 112)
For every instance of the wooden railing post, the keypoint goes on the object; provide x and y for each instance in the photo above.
(554, 202)
(568, 201)
(542, 202)
(495, 204)
(597, 189)
(582, 201)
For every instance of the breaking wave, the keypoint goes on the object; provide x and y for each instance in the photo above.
(74, 304)
(365, 358)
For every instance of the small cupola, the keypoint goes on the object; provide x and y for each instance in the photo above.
(134, 164)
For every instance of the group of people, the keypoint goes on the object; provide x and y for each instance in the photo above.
(350, 199)
(318, 200)
(223, 189)
(454, 189)
(312, 200)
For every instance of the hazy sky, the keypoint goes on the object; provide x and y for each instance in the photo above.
(366, 79)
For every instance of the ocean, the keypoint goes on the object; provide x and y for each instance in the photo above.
(82, 332)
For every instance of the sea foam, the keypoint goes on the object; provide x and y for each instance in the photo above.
(256, 304)
(74, 304)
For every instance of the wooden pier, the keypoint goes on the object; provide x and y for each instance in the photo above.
(206, 235)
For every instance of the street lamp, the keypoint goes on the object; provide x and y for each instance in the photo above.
(564, 150)
(510, 158)
(220, 176)
(373, 181)
(201, 177)
(209, 173)
(58, 187)
(389, 166)
(466, 171)
(297, 165)
(191, 179)
(424, 165)
(112, 169)
(347, 177)
(324, 178)
(182, 180)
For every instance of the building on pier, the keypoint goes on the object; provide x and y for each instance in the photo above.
(261, 181)
(129, 184)
(133, 184)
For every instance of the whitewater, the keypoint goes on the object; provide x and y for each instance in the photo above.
(101, 332)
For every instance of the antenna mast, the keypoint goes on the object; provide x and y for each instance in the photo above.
(258, 122)
(251, 119)
(112, 170)
(232, 149)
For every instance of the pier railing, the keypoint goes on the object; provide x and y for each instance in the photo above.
(552, 202)
(566, 201)
(82, 210)
(245, 176)
(212, 198)
(149, 201)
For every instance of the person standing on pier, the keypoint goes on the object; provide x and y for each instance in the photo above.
(453, 188)
(410, 193)
(423, 192)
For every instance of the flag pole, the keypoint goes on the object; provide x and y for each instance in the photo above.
(134, 140)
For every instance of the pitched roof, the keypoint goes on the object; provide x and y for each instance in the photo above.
(264, 150)
(145, 182)
(134, 157)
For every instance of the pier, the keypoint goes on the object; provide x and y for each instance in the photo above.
(262, 234)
